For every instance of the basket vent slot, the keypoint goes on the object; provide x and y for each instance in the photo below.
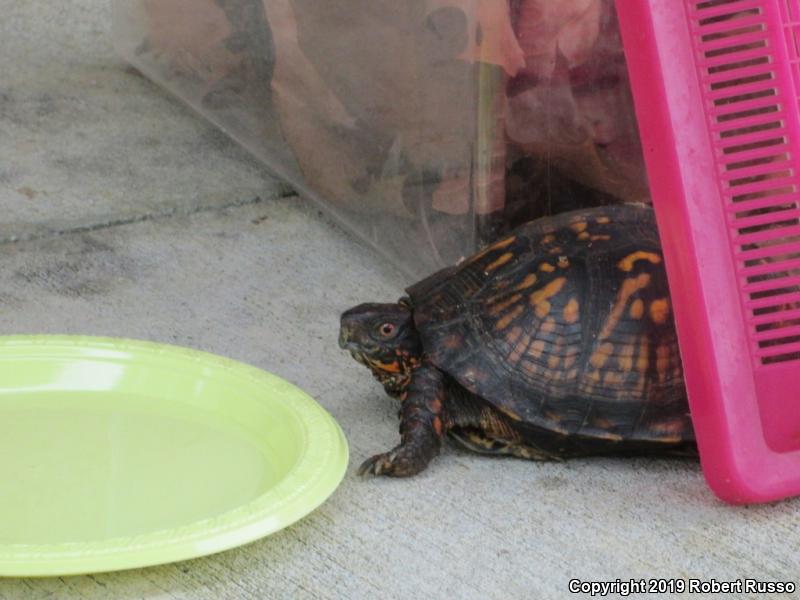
(751, 137)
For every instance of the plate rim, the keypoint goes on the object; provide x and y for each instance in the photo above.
(310, 482)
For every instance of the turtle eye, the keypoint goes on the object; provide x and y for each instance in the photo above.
(387, 329)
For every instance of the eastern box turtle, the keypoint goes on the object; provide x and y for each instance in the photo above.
(556, 341)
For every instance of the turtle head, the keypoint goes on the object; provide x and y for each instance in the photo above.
(383, 337)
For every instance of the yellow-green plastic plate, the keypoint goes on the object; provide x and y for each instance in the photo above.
(117, 454)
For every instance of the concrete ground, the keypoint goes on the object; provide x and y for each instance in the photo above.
(123, 214)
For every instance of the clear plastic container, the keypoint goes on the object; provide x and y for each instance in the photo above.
(427, 127)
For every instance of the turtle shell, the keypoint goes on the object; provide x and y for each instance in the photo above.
(564, 325)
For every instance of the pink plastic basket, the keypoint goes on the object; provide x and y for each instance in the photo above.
(716, 90)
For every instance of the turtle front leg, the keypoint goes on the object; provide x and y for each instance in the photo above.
(421, 427)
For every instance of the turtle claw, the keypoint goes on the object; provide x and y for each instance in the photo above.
(400, 462)
(380, 464)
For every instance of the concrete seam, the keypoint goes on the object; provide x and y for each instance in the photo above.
(146, 217)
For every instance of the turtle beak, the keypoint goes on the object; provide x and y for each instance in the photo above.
(345, 338)
(345, 343)
(349, 326)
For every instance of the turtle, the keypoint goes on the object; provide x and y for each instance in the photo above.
(555, 341)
